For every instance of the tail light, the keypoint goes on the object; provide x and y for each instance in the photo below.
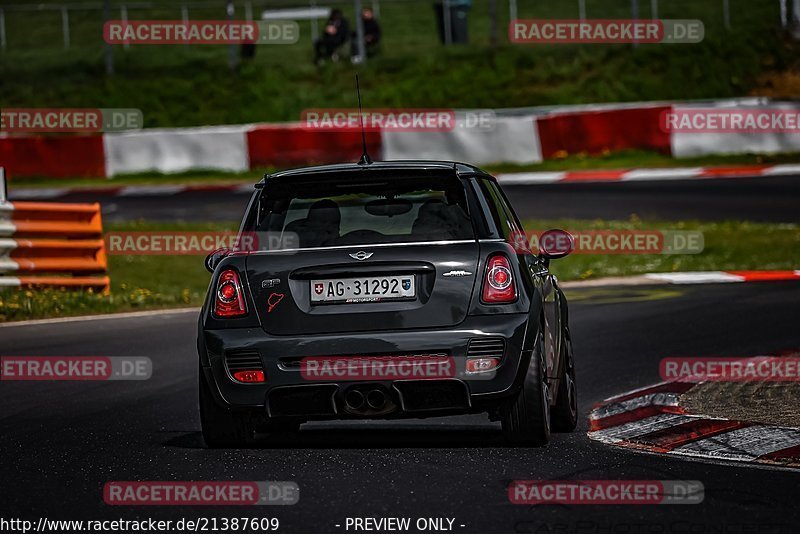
(481, 365)
(249, 376)
(229, 301)
(498, 284)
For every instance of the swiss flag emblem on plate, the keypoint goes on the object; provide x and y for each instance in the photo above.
(318, 288)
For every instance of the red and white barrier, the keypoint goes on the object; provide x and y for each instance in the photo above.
(519, 136)
(512, 140)
(646, 175)
(688, 145)
(176, 150)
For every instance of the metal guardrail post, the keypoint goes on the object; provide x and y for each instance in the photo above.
(3, 186)
(582, 9)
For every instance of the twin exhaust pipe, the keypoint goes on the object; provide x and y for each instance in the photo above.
(356, 401)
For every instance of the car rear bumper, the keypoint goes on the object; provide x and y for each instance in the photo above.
(288, 392)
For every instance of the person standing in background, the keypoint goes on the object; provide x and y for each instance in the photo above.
(372, 36)
(336, 33)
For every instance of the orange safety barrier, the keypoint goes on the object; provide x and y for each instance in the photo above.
(50, 244)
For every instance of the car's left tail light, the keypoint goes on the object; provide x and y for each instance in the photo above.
(229, 299)
(498, 283)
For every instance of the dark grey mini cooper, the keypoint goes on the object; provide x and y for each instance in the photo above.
(383, 290)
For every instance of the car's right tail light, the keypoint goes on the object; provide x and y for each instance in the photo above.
(229, 299)
(498, 283)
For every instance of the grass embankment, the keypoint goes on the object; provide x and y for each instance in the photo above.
(148, 282)
(192, 85)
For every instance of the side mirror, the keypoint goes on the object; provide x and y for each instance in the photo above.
(555, 244)
(216, 256)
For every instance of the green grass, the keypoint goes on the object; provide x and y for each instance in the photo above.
(191, 85)
(617, 160)
(151, 282)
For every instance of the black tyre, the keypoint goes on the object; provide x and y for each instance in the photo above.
(564, 416)
(527, 420)
(222, 427)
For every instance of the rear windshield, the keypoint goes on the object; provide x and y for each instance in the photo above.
(309, 213)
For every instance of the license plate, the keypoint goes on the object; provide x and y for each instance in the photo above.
(364, 289)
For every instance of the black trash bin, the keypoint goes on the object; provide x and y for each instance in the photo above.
(459, 28)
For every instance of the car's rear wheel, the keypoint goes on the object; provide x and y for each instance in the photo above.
(527, 420)
(222, 427)
(564, 417)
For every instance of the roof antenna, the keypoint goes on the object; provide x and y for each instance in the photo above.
(365, 159)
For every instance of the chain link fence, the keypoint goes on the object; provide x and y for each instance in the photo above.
(69, 25)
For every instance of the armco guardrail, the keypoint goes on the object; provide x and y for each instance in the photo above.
(49, 244)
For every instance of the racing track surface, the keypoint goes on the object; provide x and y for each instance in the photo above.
(61, 442)
(770, 199)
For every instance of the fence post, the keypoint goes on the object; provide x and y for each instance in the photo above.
(2, 29)
(376, 8)
(248, 11)
(726, 13)
(361, 45)
(635, 16)
(448, 31)
(582, 9)
(784, 14)
(123, 13)
(109, 50)
(654, 9)
(231, 10)
(493, 18)
(512, 10)
(795, 12)
(65, 26)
